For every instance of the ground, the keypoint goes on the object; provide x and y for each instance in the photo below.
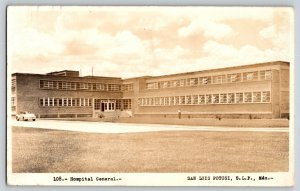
(52, 150)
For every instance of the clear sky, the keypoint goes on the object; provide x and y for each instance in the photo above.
(137, 41)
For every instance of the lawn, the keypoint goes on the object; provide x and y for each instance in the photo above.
(42, 150)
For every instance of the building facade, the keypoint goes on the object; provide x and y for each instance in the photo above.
(250, 91)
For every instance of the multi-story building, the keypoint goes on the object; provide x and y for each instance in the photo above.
(250, 91)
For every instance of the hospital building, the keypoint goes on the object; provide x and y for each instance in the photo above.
(250, 91)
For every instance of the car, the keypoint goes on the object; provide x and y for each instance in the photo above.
(26, 116)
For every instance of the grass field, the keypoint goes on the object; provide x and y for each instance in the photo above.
(41, 150)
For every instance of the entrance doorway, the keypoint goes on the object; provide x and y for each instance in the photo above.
(108, 105)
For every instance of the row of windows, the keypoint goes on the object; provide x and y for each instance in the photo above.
(65, 102)
(127, 87)
(118, 104)
(63, 85)
(219, 79)
(13, 101)
(223, 98)
(13, 85)
(127, 103)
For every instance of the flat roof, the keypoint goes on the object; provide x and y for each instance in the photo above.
(171, 75)
(224, 69)
(57, 76)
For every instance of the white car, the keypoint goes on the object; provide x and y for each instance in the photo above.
(26, 116)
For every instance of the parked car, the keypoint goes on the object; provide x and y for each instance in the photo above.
(26, 116)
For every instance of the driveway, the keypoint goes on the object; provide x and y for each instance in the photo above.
(108, 127)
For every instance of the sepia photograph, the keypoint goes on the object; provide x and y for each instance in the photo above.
(150, 96)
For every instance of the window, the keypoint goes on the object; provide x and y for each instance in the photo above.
(266, 96)
(182, 100)
(194, 81)
(63, 85)
(46, 84)
(187, 82)
(100, 87)
(55, 85)
(182, 82)
(188, 99)
(46, 102)
(73, 86)
(166, 84)
(204, 80)
(13, 101)
(266, 75)
(248, 97)
(74, 102)
(118, 104)
(157, 101)
(82, 102)
(176, 100)
(256, 97)
(215, 98)
(55, 102)
(127, 104)
(234, 77)
(239, 98)
(162, 101)
(162, 84)
(51, 101)
(230, 98)
(90, 86)
(166, 100)
(78, 102)
(94, 86)
(140, 102)
(65, 102)
(175, 83)
(114, 87)
(219, 79)
(208, 99)
(151, 101)
(146, 101)
(50, 84)
(14, 83)
(68, 85)
(249, 76)
(83, 86)
(127, 87)
(202, 99)
(60, 102)
(69, 101)
(153, 85)
(42, 82)
(42, 102)
(88, 102)
(172, 100)
(194, 99)
(223, 98)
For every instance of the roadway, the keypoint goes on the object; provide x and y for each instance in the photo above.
(108, 127)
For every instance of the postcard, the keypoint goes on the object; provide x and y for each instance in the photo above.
(150, 96)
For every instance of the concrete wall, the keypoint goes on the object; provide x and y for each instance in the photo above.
(278, 86)
(284, 92)
(28, 94)
(211, 108)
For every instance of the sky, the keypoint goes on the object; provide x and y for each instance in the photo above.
(145, 41)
